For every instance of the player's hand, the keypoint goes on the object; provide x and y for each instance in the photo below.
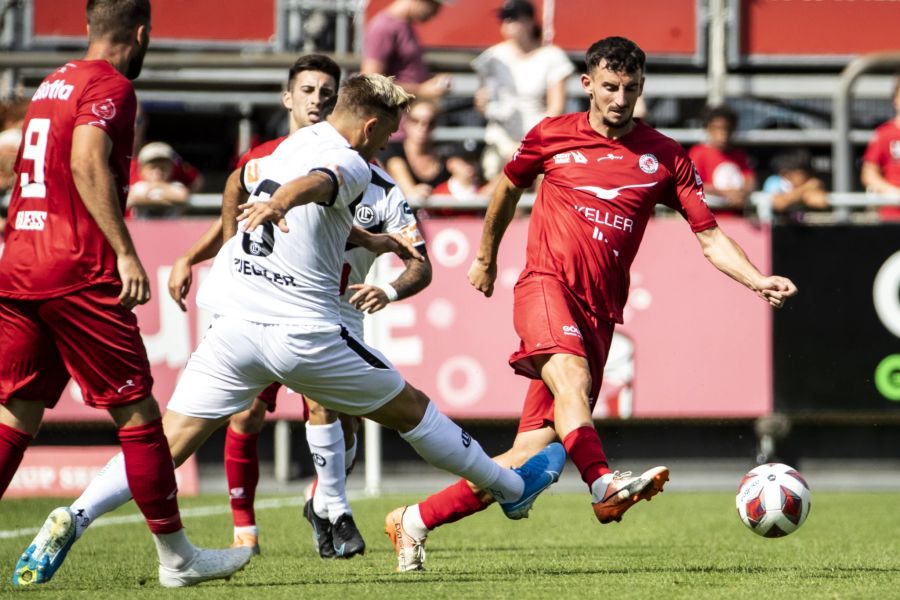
(482, 276)
(180, 279)
(256, 213)
(135, 283)
(776, 290)
(368, 298)
(399, 244)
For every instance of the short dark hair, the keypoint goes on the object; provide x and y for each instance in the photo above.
(720, 112)
(116, 19)
(621, 54)
(794, 160)
(314, 62)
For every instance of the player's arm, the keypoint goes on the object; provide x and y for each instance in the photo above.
(727, 256)
(233, 196)
(181, 276)
(91, 148)
(372, 298)
(319, 186)
(500, 212)
(381, 243)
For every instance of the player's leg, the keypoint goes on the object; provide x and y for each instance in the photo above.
(409, 526)
(328, 511)
(242, 467)
(357, 379)
(32, 376)
(146, 467)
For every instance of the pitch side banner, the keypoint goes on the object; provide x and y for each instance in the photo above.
(695, 343)
(837, 345)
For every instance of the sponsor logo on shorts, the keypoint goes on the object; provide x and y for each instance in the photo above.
(236, 492)
(128, 383)
(319, 459)
(466, 439)
(648, 164)
(571, 330)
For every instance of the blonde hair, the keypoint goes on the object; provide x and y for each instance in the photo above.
(373, 93)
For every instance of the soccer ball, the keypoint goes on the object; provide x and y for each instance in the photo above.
(773, 500)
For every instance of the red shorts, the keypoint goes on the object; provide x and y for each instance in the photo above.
(86, 334)
(550, 320)
(270, 397)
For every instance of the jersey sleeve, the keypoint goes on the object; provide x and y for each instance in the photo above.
(874, 151)
(400, 218)
(349, 172)
(528, 161)
(250, 173)
(110, 104)
(688, 198)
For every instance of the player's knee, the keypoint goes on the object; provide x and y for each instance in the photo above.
(319, 415)
(136, 414)
(24, 415)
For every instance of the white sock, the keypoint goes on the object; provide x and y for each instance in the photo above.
(599, 487)
(350, 455)
(175, 550)
(251, 529)
(413, 523)
(107, 491)
(445, 445)
(326, 443)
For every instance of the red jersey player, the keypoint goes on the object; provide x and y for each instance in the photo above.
(69, 277)
(603, 174)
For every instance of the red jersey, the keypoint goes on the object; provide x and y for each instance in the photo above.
(594, 203)
(264, 149)
(884, 151)
(721, 169)
(53, 245)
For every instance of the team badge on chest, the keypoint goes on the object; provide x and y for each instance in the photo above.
(648, 163)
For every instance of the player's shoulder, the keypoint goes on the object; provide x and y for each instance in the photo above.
(888, 129)
(382, 180)
(264, 149)
(654, 137)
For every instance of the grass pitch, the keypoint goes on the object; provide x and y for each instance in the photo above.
(681, 545)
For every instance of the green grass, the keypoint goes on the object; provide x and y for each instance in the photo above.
(681, 545)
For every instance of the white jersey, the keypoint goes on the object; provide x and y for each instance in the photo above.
(383, 209)
(268, 276)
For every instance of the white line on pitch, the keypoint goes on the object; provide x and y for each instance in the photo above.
(197, 511)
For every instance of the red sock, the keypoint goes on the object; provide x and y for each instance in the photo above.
(450, 505)
(242, 472)
(584, 448)
(151, 475)
(12, 448)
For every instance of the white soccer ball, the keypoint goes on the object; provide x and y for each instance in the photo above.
(773, 500)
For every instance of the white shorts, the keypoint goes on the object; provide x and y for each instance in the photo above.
(238, 359)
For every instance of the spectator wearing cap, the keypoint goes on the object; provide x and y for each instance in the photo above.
(522, 81)
(157, 192)
(881, 161)
(795, 186)
(724, 169)
(391, 47)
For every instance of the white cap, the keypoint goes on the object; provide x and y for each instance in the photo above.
(156, 151)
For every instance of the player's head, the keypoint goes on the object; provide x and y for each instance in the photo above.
(614, 80)
(720, 123)
(122, 23)
(368, 111)
(311, 91)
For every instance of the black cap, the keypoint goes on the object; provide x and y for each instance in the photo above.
(516, 9)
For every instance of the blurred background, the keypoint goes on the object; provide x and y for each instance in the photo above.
(789, 108)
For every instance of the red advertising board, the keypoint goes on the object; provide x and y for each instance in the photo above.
(194, 21)
(795, 28)
(694, 344)
(665, 28)
(64, 471)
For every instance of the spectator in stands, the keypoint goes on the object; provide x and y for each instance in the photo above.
(182, 171)
(9, 148)
(881, 162)
(157, 192)
(414, 163)
(391, 47)
(724, 169)
(795, 185)
(521, 82)
(465, 182)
